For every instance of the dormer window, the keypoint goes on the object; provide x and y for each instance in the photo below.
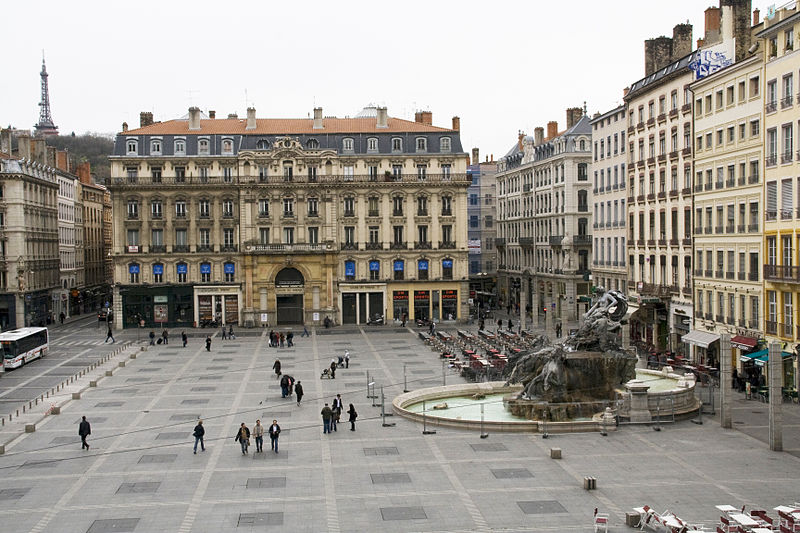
(180, 147)
(312, 144)
(444, 144)
(227, 146)
(372, 144)
(262, 144)
(203, 147)
(132, 147)
(397, 144)
(422, 144)
(347, 145)
(155, 147)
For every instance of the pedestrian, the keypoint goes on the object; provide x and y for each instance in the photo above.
(430, 328)
(274, 431)
(208, 344)
(84, 430)
(62, 316)
(291, 384)
(271, 338)
(284, 386)
(277, 367)
(333, 368)
(184, 338)
(109, 335)
(165, 336)
(735, 378)
(298, 390)
(327, 416)
(558, 330)
(199, 431)
(347, 358)
(290, 339)
(243, 437)
(258, 433)
(403, 319)
(481, 324)
(337, 410)
(152, 338)
(499, 324)
(230, 332)
(282, 338)
(353, 416)
(510, 325)
(224, 335)
(305, 332)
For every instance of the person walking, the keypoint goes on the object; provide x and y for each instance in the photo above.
(353, 416)
(61, 317)
(243, 437)
(184, 338)
(84, 430)
(231, 336)
(109, 335)
(224, 332)
(274, 431)
(165, 336)
(208, 343)
(510, 325)
(284, 386)
(199, 431)
(258, 433)
(305, 332)
(282, 338)
(327, 416)
(152, 338)
(333, 368)
(271, 338)
(337, 411)
(277, 367)
(298, 390)
(347, 358)
(499, 324)
(289, 339)
(558, 330)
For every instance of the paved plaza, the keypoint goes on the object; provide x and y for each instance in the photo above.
(141, 475)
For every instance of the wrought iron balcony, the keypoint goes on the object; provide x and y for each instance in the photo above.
(555, 240)
(447, 245)
(423, 245)
(582, 240)
(527, 242)
(500, 242)
(374, 245)
(229, 248)
(280, 248)
(205, 248)
(349, 246)
(398, 246)
(771, 327)
(157, 248)
(180, 248)
(781, 273)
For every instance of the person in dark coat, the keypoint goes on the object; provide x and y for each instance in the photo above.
(84, 430)
(282, 338)
(274, 431)
(208, 344)
(353, 416)
(333, 369)
(277, 367)
(152, 338)
(109, 335)
(224, 333)
(327, 416)
(289, 339)
(337, 411)
(243, 437)
(230, 332)
(165, 336)
(62, 316)
(499, 324)
(510, 325)
(298, 390)
(284, 386)
(199, 431)
(184, 338)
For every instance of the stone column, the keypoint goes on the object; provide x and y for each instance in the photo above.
(626, 336)
(535, 306)
(725, 380)
(523, 301)
(549, 319)
(117, 308)
(775, 397)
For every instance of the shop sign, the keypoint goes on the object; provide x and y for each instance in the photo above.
(423, 265)
(158, 269)
(160, 299)
(183, 268)
(133, 269)
(400, 296)
(315, 317)
(160, 313)
(205, 268)
(133, 249)
(263, 317)
(350, 268)
(422, 296)
(450, 294)
(229, 268)
(374, 266)
(398, 266)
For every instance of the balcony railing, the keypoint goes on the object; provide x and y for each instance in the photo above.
(398, 245)
(771, 160)
(349, 246)
(230, 248)
(278, 179)
(205, 248)
(752, 276)
(771, 107)
(423, 245)
(182, 248)
(373, 213)
(770, 215)
(660, 291)
(447, 245)
(374, 245)
(786, 157)
(786, 214)
(786, 101)
(286, 248)
(582, 240)
(157, 248)
(752, 179)
(751, 228)
(500, 242)
(555, 240)
(787, 330)
(527, 242)
(770, 327)
(781, 273)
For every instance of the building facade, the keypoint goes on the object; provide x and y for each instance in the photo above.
(728, 188)
(67, 242)
(609, 194)
(482, 230)
(269, 221)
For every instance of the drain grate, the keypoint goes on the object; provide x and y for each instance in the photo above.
(115, 525)
(203, 389)
(158, 458)
(398, 477)
(194, 402)
(511, 473)
(125, 391)
(489, 447)
(384, 450)
(13, 494)
(541, 507)
(260, 519)
(150, 369)
(403, 513)
(171, 435)
(109, 404)
(186, 416)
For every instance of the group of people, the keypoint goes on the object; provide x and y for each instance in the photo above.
(288, 385)
(277, 339)
(164, 339)
(331, 415)
(243, 436)
(230, 334)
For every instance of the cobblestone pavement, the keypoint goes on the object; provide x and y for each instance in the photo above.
(140, 473)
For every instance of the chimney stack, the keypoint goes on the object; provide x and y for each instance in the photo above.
(456, 124)
(520, 137)
(538, 135)
(212, 114)
(62, 160)
(681, 41)
(251, 118)
(552, 129)
(756, 17)
(233, 116)
(625, 91)
(5, 140)
(39, 150)
(713, 34)
(318, 118)
(383, 118)
(574, 114)
(194, 118)
(124, 126)
(475, 156)
(24, 146)
(84, 172)
(52, 156)
(145, 119)
(424, 117)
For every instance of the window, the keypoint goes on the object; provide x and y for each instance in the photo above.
(181, 271)
(422, 269)
(372, 145)
(204, 208)
(444, 144)
(350, 270)
(227, 238)
(133, 237)
(288, 207)
(313, 235)
(156, 209)
(205, 272)
(398, 267)
(347, 145)
(372, 206)
(133, 273)
(155, 172)
(397, 233)
(133, 209)
(229, 270)
(772, 95)
(313, 207)
(349, 172)
(205, 238)
(181, 238)
(374, 234)
(203, 147)
(350, 235)
(447, 269)
(180, 147)
(180, 209)
(422, 144)
(422, 206)
(263, 207)
(263, 235)
(422, 172)
(132, 173)
(312, 174)
(158, 273)
(132, 147)
(262, 144)
(288, 235)
(397, 206)
(227, 146)
(422, 234)
(202, 173)
(789, 41)
(157, 237)
(288, 172)
(755, 127)
(155, 147)
(397, 144)
(447, 206)
(447, 234)
(374, 270)
(312, 144)
(227, 208)
(397, 172)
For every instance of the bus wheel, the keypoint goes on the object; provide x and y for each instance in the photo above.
(23, 362)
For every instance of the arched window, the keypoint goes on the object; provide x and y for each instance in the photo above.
(422, 144)
(262, 144)
(132, 147)
(158, 273)
(422, 269)
(583, 145)
(227, 146)
(397, 144)
(202, 147)
(374, 270)
(133, 273)
(180, 147)
(312, 144)
(181, 271)
(447, 268)
(372, 144)
(444, 144)
(399, 268)
(229, 269)
(347, 144)
(350, 270)
(205, 272)
(155, 147)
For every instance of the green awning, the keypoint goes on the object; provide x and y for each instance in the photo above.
(761, 358)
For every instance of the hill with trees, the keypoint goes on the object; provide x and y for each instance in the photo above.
(91, 147)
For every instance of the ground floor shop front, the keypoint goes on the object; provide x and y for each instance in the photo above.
(174, 306)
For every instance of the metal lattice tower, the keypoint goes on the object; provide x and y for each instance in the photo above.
(45, 125)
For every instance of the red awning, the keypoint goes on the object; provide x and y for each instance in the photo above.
(744, 343)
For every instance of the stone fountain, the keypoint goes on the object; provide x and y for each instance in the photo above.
(565, 381)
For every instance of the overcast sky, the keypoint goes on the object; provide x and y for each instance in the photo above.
(501, 66)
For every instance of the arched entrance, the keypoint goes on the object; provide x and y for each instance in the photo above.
(289, 284)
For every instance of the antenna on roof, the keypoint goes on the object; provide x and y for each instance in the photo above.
(190, 94)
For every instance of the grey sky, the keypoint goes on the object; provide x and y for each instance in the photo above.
(501, 66)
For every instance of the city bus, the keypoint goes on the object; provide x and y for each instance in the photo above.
(23, 345)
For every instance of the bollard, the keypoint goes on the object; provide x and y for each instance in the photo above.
(30, 428)
(76, 395)
(23, 409)
(122, 363)
(483, 433)
(405, 379)
(93, 383)
(555, 453)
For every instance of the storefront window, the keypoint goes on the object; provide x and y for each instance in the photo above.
(400, 304)
(350, 270)
(447, 269)
(398, 269)
(422, 269)
(422, 304)
(449, 304)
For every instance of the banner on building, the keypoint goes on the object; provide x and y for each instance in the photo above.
(474, 246)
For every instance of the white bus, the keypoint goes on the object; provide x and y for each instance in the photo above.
(23, 345)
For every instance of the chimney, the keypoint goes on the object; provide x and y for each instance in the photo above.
(52, 156)
(24, 146)
(538, 135)
(475, 156)
(649, 57)
(5, 141)
(492, 159)
(552, 129)
(383, 118)
(145, 119)
(233, 116)
(124, 126)
(424, 117)
(39, 149)
(756, 17)
(713, 23)
(212, 114)
(736, 24)
(318, 118)
(681, 41)
(574, 114)
(84, 172)
(194, 118)
(251, 118)
(625, 91)
(456, 124)
(62, 160)
(520, 137)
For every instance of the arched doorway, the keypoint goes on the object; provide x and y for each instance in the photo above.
(289, 284)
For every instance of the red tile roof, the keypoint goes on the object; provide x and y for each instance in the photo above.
(280, 126)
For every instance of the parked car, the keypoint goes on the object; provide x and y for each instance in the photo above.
(102, 314)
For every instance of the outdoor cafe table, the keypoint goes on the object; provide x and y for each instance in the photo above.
(727, 508)
(761, 530)
(744, 520)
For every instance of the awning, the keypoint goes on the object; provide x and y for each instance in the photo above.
(700, 338)
(744, 343)
(761, 358)
(632, 309)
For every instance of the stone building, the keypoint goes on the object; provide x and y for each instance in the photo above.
(482, 231)
(288, 221)
(68, 235)
(609, 194)
(96, 286)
